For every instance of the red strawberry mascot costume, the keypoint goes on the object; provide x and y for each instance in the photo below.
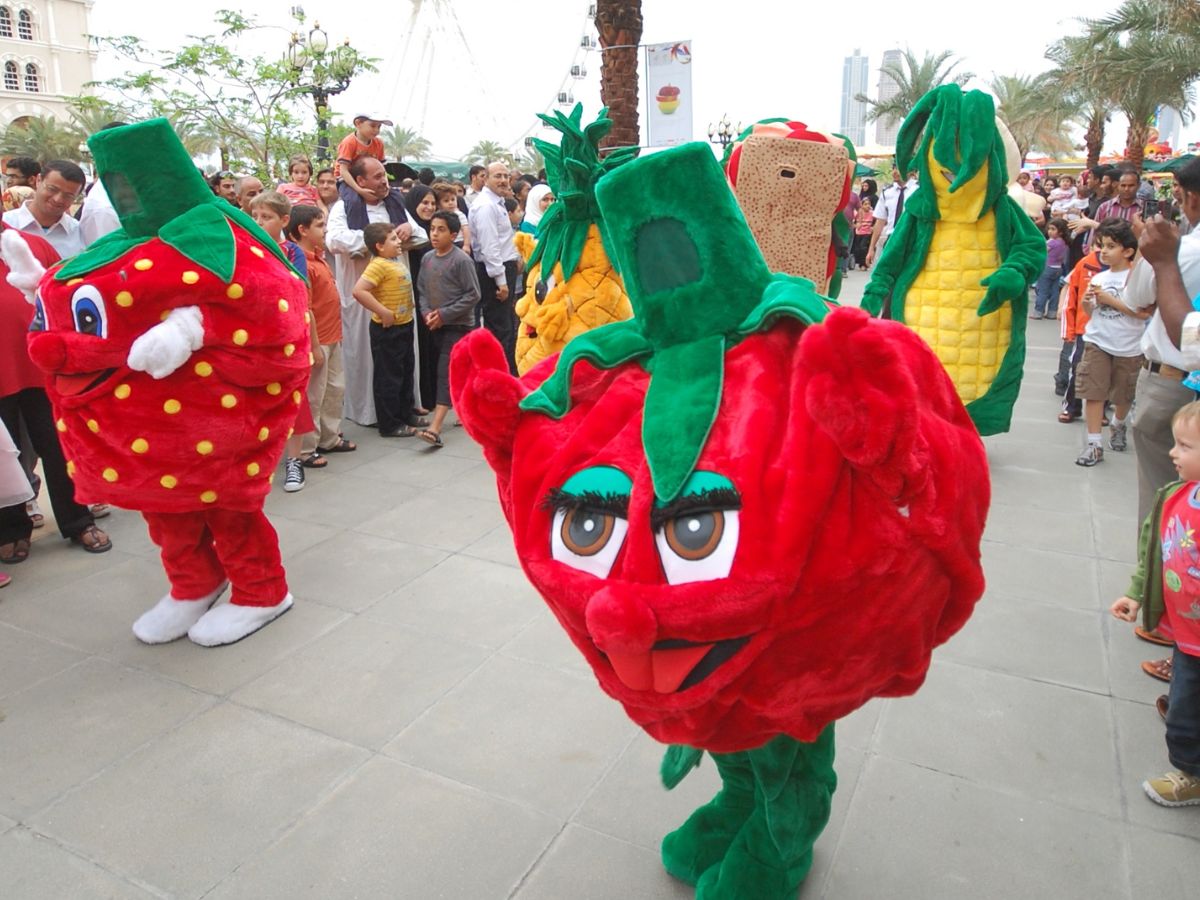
(176, 353)
(750, 513)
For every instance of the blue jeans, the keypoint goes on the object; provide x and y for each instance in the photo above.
(1183, 713)
(1046, 291)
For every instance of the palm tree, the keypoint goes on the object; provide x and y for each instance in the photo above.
(1080, 76)
(487, 152)
(43, 138)
(91, 114)
(914, 79)
(405, 143)
(1175, 26)
(531, 160)
(1036, 115)
(619, 23)
(198, 137)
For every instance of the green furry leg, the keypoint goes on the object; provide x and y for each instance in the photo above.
(702, 841)
(771, 852)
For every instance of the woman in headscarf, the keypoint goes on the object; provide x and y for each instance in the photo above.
(539, 200)
(869, 190)
(422, 204)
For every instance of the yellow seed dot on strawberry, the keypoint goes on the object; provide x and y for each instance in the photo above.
(289, 349)
(240, 337)
(74, 281)
(274, 388)
(139, 445)
(228, 401)
(60, 425)
(203, 369)
(209, 497)
(71, 468)
(257, 251)
(109, 474)
(122, 391)
(93, 426)
(168, 481)
(234, 291)
(296, 397)
(190, 277)
(124, 298)
(143, 265)
(283, 305)
(263, 433)
(204, 448)
(252, 469)
(171, 407)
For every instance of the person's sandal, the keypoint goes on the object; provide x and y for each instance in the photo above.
(432, 438)
(1158, 668)
(5, 580)
(314, 461)
(93, 540)
(1162, 704)
(16, 552)
(35, 514)
(100, 510)
(1067, 418)
(342, 446)
(1153, 637)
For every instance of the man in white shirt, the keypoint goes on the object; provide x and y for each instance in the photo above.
(496, 260)
(48, 212)
(478, 178)
(1167, 273)
(888, 211)
(344, 239)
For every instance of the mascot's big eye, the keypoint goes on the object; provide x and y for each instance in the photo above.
(587, 539)
(543, 288)
(39, 315)
(698, 546)
(87, 309)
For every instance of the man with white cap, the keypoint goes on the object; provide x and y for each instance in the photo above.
(363, 141)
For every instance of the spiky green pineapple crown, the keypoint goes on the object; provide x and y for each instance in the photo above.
(573, 167)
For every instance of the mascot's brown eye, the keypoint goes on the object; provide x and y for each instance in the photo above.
(585, 532)
(696, 535)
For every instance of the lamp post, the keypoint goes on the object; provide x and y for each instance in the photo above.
(723, 133)
(321, 73)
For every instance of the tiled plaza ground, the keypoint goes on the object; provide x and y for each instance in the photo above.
(418, 727)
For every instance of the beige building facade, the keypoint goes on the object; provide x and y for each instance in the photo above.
(46, 57)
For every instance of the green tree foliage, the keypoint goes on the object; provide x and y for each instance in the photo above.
(1036, 114)
(488, 152)
(1081, 78)
(43, 138)
(915, 78)
(405, 143)
(253, 108)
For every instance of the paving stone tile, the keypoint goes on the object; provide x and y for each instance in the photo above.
(184, 811)
(65, 729)
(55, 564)
(1143, 750)
(522, 732)
(1038, 740)
(479, 482)
(1064, 579)
(392, 831)
(340, 502)
(1034, 639)
(26, 658)
(496, 546)
(927, 835)
(1116, 535)
(1066, 532)
(219, 670)
(127, 530)
(544, 642)
(415, 465)
(36, 868)
(469, 600)
(364, 681)
(857, 730)
(1126, 653)
(297, 537)
(435, 518)
(351, 571)
(1164, 865)
(6, 823)
(585, 865)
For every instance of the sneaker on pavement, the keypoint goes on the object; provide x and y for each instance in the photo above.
(1116, 438)
(1090, 456)
(1174, 789)
(293, 477)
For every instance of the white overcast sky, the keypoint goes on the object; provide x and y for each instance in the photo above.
(480, 69)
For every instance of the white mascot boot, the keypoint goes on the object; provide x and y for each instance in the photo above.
(170, 619)
(229, 623)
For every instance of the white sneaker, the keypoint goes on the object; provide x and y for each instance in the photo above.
(169, 619)
(293, 477)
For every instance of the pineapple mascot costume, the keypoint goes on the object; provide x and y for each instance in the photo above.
(176, 356)
(962, 257)
(750, 512)
(572, 283)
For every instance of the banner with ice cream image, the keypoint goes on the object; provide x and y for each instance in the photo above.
(668, 94)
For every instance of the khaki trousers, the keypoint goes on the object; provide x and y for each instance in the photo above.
(326, 389)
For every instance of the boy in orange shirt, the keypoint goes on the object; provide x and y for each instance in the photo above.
(326, 384)
(363, 141)
(1074, 319)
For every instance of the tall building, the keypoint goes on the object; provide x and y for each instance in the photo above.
(886, 128)
(45, 55)
(854, 112)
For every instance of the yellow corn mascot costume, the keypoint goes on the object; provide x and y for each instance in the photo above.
(962, 256)
(573, 286)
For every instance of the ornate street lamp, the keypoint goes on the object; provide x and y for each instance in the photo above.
(723, 133)
(323, 74)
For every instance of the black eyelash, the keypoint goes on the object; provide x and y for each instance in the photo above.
(711, 500)
(614, 504)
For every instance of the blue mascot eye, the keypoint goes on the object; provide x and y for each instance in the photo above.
(39, 316)
(87, 309)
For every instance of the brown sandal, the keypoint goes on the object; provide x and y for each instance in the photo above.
(1154, 637)
(16, 552)
(93, 540)
(1158, 668)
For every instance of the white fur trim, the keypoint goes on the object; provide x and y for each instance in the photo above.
(167, 346)
(169, 619)
(229, 622)
(24, 271)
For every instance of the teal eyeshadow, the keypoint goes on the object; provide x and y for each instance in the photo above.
(699, 482)
(603, 480)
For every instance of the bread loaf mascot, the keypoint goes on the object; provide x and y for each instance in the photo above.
(176, 353)
(750, 512)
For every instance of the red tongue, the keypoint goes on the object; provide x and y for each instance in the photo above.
(69, 385)
(660, 670)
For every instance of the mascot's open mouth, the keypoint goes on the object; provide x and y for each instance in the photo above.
(80, 382)
(674, 665)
